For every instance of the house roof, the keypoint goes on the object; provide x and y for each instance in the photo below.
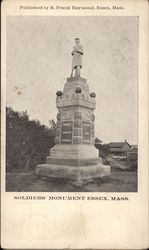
(134, 146)
(118, 144)
(134, 150)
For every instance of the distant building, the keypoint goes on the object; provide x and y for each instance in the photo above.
(119, 148)
(134, 147)
(132, 154)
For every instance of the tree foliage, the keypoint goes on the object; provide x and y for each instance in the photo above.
(103, 148)
(27, 141)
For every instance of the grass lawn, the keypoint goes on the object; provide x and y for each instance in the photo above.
(120, 180)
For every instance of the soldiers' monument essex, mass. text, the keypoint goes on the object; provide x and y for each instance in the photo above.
(74, 156)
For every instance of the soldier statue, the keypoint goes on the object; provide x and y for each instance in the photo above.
(77, 58)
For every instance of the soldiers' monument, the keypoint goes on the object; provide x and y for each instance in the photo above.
(74, 156)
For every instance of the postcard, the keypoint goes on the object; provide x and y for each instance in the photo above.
(74, 156)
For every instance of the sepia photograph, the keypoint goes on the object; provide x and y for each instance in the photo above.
(74, 124)
(72, 103)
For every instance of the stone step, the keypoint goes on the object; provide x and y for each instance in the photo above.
(72, 172)
(72, 161)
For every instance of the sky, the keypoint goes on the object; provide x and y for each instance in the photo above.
(38, 62)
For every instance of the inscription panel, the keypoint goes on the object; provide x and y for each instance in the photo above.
(86, 132)
(66, 132)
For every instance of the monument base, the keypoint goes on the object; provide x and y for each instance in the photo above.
(78, 175)
(74, 156)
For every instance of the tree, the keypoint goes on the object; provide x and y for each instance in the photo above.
(52, 127)
(27, 141)
(98, 141)
(103, 148)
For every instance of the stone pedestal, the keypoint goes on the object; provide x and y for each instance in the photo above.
(74, 156)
